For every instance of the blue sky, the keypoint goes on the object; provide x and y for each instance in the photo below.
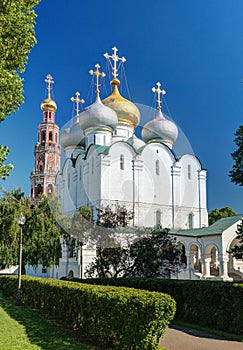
(194, 48)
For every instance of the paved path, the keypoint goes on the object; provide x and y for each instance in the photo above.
(181, 338)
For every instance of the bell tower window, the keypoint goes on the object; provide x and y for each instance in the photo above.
(122, 162)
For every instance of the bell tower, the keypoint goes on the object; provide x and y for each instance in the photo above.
(47, 149)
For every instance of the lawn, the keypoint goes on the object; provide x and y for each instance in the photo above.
(23, 328)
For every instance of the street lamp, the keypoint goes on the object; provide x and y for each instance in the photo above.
(21, 222)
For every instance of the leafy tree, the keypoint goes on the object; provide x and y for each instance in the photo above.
(17, 37)
(237, 250)
(236, 173)
(154, 255)
(217, 214)
(41, 236)
(110, 218)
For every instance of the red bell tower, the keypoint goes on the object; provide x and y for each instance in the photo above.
(47, 149)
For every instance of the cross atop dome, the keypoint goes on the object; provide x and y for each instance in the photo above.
(78, 101)
(98, 74)
(115, 59)
(159, 92)
(49, 80)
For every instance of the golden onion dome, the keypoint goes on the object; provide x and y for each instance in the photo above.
(127, 112)
(48, 105)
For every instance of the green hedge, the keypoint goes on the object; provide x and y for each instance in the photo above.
(115, 318)
(217, 305)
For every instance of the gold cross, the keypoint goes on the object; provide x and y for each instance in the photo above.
(159, 92)
(98, 74)
(77, 100)
(49, 80)
(115, 58)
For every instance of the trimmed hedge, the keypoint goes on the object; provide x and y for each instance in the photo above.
(115, 318)
(217, 305)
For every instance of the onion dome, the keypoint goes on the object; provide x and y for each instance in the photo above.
(160, 129)
(72, 136)
(48, 105)
(98, 116)
(136, 142)
(127, 112)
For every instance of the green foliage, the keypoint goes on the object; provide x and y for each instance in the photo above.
(17, 37)
(41, 237)
(4, 168)
(116, 318)
(237, 250)
(108, 217)
(154, 255)
(217, 305)
(217, 214)
(236, 174)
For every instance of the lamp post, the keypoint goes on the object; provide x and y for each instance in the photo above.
(21, 222)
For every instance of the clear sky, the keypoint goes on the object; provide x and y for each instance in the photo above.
(194, 48)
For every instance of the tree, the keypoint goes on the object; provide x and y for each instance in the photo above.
(110, 218)
(236, 174)
(237, 250)
(41, 236)
(17, 37)
(217, 214)
(154, 255)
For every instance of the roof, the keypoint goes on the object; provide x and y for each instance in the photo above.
(215, 229)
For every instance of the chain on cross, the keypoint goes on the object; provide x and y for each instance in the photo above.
(115, 59)
(49, 80)
(77, 100)
(98, 74)
(159, 92)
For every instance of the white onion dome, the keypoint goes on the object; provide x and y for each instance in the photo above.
(72, 136)
(48, 105)
(127, 112)
(98, 116)
(160, 129)
(136, 142)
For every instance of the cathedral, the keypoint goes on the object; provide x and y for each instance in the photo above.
(106, 162)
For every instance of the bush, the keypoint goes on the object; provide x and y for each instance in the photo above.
(119, 318)
(217, 305)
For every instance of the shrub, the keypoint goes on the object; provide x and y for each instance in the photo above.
(119, 318)
(217, 305)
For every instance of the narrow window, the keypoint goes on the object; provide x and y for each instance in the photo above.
(190, 220)
(122, 162)
(56, 137)
(104, 139)
(158, 218)
(92, 166)
(68, 180)
(43, 137)
(157, 167)
(50, 136)
(189, 172)
(94, 139)
(80, 172)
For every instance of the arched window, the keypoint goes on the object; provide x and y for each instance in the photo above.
(189, 172)
(50, 188)
(122, 162)
(157, 167)
(43, 137)
(190, 220)
(50, 136)
(158, 218)
(39, 189)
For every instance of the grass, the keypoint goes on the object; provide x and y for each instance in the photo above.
(223, 334)
(24, 328)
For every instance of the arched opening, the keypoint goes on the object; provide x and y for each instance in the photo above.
(214, 265)
(39, 189)
(50, 189)
(122, 162)
(190, 220)
(235, 266)
(50, 136)
(158, 218)
(157, 167)
(195, 257)
(183, 257)
(43, 137)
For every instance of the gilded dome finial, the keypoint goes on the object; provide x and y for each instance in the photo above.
(114, 67)
(159, 92)
(77, 100)
(48, 104)
(98, 74)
